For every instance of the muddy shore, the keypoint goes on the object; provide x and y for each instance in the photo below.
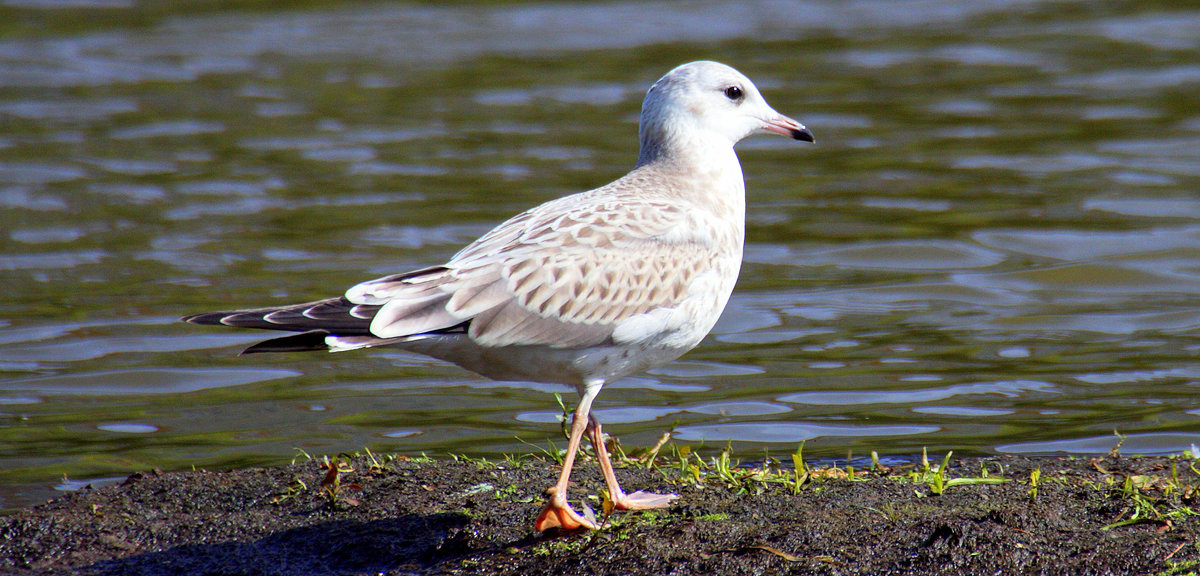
(377, 515)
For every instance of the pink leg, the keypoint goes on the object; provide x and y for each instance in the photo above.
(620, 500)
(558, 513)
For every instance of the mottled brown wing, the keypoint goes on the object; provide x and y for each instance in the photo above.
(564, 274)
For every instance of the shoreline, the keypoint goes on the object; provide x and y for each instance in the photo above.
(399, 515)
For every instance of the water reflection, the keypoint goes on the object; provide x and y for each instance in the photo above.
(909, 394)
(1156, 443)
(144, 381)
(789, 432)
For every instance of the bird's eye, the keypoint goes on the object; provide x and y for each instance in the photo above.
(734, 93)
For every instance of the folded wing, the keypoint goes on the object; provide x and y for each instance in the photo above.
(562, 275)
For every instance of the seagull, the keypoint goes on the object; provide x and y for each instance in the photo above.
(581, 290)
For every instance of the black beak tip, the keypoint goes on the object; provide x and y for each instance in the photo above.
(803, 134)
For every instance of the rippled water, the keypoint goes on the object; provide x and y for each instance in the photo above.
(994, 247)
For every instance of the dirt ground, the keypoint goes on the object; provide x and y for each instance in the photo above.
(1112, 515)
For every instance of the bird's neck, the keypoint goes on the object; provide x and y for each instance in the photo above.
(708, 162)
(701, 151)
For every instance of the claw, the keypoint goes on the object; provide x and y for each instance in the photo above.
(559, 514)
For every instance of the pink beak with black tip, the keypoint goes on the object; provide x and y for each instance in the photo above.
(785, 126)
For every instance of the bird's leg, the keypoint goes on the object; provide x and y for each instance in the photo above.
(558, 513)
(620, 500)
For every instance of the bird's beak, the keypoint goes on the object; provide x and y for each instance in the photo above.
(785, 126)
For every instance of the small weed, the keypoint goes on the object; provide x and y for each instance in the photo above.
(564, 418)
(647, 459)
(682, 455)
(723, 466)
(376, 466)
(1115, 452)
(1143, 506)
(507, 492)
(800, 476)
(301, 454)
(294, 489)
(481, 462)
(726, 471)
(331, 484)
(517, 461)
(552, 453)
(565, 546)
(937, 477)
(1184, 568)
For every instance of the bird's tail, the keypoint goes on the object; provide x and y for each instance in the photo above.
(335, 324)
